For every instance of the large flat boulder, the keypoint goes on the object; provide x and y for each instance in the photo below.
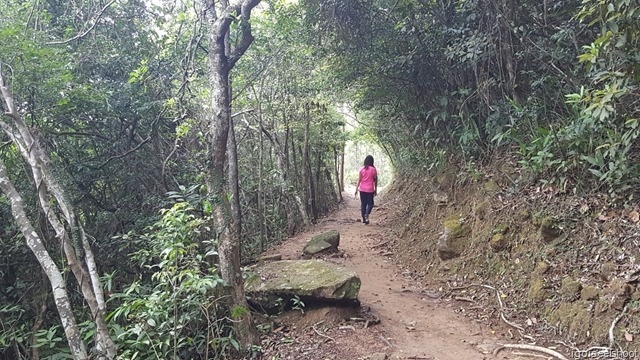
(329, 240)
(274, 284)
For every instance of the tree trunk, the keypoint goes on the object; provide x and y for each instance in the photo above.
(261, 195)
(307, 186)
(221, 61)
(60, 294)
(338, 168)
(73, 240)
(234, 185)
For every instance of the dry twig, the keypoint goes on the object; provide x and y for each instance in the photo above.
(385, 341)
(381, 244)
(323, 335)
(461, 298)
(512, 324)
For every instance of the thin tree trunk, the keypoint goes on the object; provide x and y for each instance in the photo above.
(60, 294)
(221, 62)
(40, 302)
(306, 164)
(261, 196)
(236, 210)
(74, 241)
(337, 168)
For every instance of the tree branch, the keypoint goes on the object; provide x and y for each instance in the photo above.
(245, 26)
(85, 33)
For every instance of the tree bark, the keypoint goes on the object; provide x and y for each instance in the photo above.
(306, 164)
(60, 294)
(221, 61)
(73, 240)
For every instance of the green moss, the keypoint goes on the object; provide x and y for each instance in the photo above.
(570, 289)
(522, 215)
(455, 238)
(501, 229)
(607, 269)
(537, 291)
(453, 225)
(498, 242)
(480, 210)
(574, 317)
(541, 268)
(491, 188)
(589, 293)
(617, 294)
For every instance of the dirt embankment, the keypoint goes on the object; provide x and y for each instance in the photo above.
(565, 268)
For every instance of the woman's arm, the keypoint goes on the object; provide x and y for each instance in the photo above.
(375, 185)
(358, 184)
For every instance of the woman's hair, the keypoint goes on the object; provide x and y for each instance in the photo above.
(368, 161)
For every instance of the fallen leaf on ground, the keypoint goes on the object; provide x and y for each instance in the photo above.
(634, 216)
(628, 336)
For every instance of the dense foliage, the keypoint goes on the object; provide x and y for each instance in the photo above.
(117, 93)
(555, 81)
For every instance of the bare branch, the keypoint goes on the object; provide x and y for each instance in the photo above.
(86, 32)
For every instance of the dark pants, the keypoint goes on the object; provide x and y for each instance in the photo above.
(366, 203)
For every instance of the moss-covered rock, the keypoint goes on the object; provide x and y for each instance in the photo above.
(573, 317)
(537, 292)
(455, 238)
(541, 268)
(499, 240)
(608, 269)
(570, 289)
(316, 247)
(480, 210)
(491, 188)
(329, 240)
(617, 294)
(550, 229)
(273, 284)
(589, 293)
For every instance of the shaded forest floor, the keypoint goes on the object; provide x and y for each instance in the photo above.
(415, 322)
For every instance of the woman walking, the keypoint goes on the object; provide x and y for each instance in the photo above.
(368, 187)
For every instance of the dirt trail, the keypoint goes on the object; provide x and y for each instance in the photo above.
(414, 324)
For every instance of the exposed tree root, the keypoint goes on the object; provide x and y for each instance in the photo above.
(541, 349)
(612, 340)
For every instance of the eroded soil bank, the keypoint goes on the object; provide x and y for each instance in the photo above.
(565, 267)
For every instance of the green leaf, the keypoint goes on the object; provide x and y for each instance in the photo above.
(597, 173)
(235, 344)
